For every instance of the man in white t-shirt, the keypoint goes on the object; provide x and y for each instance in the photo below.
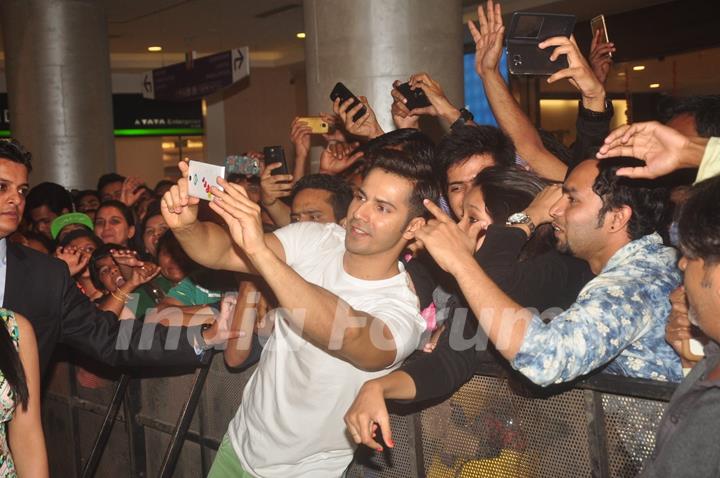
(350, 314)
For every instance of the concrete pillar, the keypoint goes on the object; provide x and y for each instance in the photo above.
(367, 44)
(214, 123)
(57, 65)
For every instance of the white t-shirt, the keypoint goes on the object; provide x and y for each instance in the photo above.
(290, 422)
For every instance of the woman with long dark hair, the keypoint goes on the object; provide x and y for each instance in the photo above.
(20, 400)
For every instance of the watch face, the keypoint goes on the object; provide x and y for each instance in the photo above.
(518, 218)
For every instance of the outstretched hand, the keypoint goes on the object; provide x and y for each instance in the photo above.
(488, 37)
(366, 413)
(662, 148)
(75, 259)
(221, 330)
(578, 72)
(179, 209)
(601, 57)
(241, 214)
(366, 126)
(337, 157)
(131, 190)
(444, 239)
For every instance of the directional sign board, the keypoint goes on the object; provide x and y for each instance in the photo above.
(207, 75)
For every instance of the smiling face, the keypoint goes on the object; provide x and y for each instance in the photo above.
(13, 190)
(112, 227)
(377, 219)
(460, 177)
(476, 218)
(575, 215)
(313, 205)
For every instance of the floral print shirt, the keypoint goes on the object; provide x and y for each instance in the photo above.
(618, 319)
(7, 400)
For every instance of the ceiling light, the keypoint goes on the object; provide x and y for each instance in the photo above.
(154, 48)
(622, 73)
(638, 67)
(300, 35)
(654, 85)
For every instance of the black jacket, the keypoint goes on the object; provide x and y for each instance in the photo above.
(40, 288)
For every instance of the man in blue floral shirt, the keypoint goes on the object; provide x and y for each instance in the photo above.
(619, 317)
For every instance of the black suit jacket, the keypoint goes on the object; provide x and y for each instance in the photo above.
(40, 288)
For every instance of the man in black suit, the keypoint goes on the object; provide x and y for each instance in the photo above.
(40, 288)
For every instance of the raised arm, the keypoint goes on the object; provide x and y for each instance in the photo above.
(300, 137)
(512, 120)
(326, 320)
(663, 149)
(206, 243)
(272, 188)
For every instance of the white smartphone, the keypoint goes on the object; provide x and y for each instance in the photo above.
(202, 177)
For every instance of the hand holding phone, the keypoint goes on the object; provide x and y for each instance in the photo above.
(601, 49)
(415, 98)
(202, 177)
(276, 154)
(527, 31)
(343, 93)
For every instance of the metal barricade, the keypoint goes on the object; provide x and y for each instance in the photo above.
(603, 426)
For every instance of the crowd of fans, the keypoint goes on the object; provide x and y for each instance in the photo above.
(495, 244)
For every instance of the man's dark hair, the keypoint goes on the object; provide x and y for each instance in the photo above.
(120, 206)
(648, 199)
(12, 150)
(465, 141)
(340, 191)
(52, 195)
(108, 178)
(87, 192)
(699, 224)
(417, 144)
(420, 174)
(705, 110)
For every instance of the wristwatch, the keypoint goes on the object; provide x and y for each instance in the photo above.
(465, 117)
(521, 218)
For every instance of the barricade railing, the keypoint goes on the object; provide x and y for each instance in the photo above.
(494, 426)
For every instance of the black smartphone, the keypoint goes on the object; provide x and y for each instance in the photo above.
(527, 30)
(276, 154)
(341, 91)
(415, 98)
